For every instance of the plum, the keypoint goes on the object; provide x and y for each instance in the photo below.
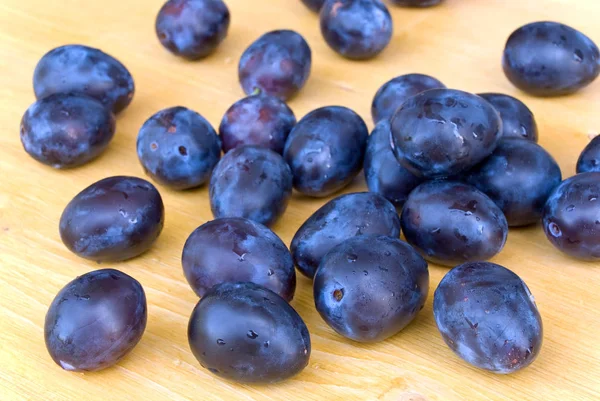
(95, 320)
(341, 218)
(517, 120)
(65, 131)
(550, 59)
(370, 287)
(247, 333)
(114, 219)
(178, 148)
(251, 182)
(571, 216)
(451, 222)
(444, 132)
(589, 160)
(234, 250)
(314, 5)
(84, 70)
(487, 316)
(277, 64)
(519, 177)
(325, 150)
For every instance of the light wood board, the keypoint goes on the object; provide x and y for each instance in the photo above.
(459, 42)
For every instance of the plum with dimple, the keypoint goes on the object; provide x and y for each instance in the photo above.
(192, 29)
(325, 150)
(450, 222)
(589, 160)
(550, 59)
(247, 333)
(368, 288)
(64, 130)
(84, 70)
(396, 91)
(519, 177)
(383, 173)
(237, 249)
(251, 182)
(356, 29)
(95, 320)
(276, 64)
(339, 219)
(571, 217)
(259, 120)
(517, 120)
(112, 220)
(444, 132)
(487, 316)
(178, 148)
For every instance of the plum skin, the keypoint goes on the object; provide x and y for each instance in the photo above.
(277, 64)
(444, 132)
(325, 150)
(589, 160)
(259, 120)
(517, 120)
(383, 173)
(519, 177)
(487, 316)
(571, 216)
(78, 69)
(314, 5)
(236, 250)
(247, 333)
(251, 182)
(368, 288)
(356, 29)
(95, 320)
(66, 131)
(341, 218)
(178, 148)
(112, 220)
(192, 29)
(396, 91)
(450, 223)
(550, 59)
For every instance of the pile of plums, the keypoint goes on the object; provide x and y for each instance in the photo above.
(461, 169)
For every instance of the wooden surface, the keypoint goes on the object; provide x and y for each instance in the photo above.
(460, 43)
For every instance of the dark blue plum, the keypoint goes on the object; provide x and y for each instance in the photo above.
(84, 70)
(444, 132)
(178, 148)
(192, 29)
(114, 219)
(65, 131)
(356, 29)
(95, 320)
(589, 160)
(517, 120)
(235, 250)
(519, 177)
(339, 219)
(251, 182)
(452, 223)
(488, 317)
(572, 216)
(550, 59)
(383, 173)
(416, 3)
(370, 287)
(259, 120)
(325, 150)
(247, 333)
(393, 93)
(314, 5)
(276, 64)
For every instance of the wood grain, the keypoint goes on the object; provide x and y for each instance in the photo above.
(460, 43)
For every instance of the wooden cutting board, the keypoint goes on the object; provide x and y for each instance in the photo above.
(459, 42)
